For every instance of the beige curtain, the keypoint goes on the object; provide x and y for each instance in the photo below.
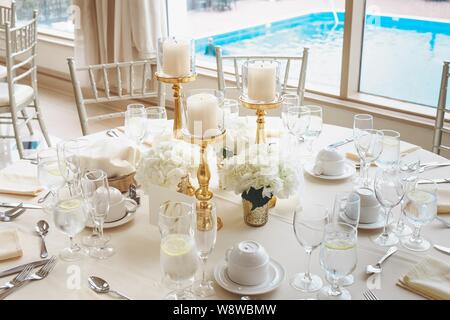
(118, 30)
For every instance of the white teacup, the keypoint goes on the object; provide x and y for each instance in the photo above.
(248, 263)
(370, 207)
(329, 162)
(119, 205)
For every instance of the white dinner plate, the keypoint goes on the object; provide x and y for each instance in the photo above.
(114, 224)
(275, 278)
(349, 171)
(370, 226)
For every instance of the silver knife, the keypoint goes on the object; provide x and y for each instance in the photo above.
(24, 205)
(443, 249)
(341, 143)
(437, 181)
(20, 268)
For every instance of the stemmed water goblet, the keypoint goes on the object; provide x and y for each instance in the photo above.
(315, 126)
(389, 190)
(298, 120)
(420, 209)
(369, 145)
(205, 240)
(136, 123)
(362, 122)
(178, 253)
(49, 174)
(338, 258)
(69, 158)
(289, 100)
(347, 209)
(95, 189)
(309, 225)
(70, 216)
(157, 121)
(390, 156)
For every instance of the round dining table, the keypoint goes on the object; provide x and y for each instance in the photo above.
(135, 268)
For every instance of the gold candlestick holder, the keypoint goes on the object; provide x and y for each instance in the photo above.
(203, 194)
(261, 110)
(176, 88)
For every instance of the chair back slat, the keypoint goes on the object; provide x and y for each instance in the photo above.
(239, 59)
(105, 90)
(8, 15)
(441, 111)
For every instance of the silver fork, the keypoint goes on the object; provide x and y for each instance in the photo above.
(369, 295)
(39, 275)
(19, 278)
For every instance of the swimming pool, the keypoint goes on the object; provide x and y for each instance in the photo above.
(402, 57)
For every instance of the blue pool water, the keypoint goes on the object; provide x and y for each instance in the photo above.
(402, 58)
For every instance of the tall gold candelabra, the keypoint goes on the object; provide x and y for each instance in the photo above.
(176, 88)
(203, 194)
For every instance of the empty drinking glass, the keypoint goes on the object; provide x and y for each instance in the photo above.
(95, 190)
(362, 122)
(420, 209)
(70, 155)
(338, 258)
(315, 126)
(156, 121)
(230, 112)
(49, 173)
(390, 156)
(347, 209)
(369, 145)
(136, 123)
(178, 252)
(70, 216)
(205, 240)
(309, 225)
(389, 190)
(289, 100)
(298, 120)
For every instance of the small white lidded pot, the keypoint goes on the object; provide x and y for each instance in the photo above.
(119, 205)
(248, 263)
(329, 162)
(370, 207)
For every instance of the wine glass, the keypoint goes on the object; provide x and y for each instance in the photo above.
(49, 174)
(390, 156)
(178, 253)
(205, 240)
(315, 126)
(298, 120)
(309, 224)
(420, 209)
(362, 122)
(369, 145)
(70, 216)
(289, 100)
(347, 209)
(95, 190)
(157, 120)
(338, 258)
(389, 190)
(136, 123)
(70, 157)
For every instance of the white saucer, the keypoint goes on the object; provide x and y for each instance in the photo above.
(349, 171)
(370, 226)
(114, 224)
(275, 278)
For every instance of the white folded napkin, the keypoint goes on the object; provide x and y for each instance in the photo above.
(405, 149)
(430, 278)
(117, 157)
(20, 178)
(9, 244)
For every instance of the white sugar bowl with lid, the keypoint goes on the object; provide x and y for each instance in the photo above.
(329, 162)
(247, 263)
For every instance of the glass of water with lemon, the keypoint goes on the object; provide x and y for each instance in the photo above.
(178, 253)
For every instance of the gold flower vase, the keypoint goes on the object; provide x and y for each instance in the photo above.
(256, 207)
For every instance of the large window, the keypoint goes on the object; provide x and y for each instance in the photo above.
(55, 16)
(405, 44)
(263, 27)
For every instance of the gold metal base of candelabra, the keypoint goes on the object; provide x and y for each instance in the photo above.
(203, 194)
(261, 109)
(176, 88)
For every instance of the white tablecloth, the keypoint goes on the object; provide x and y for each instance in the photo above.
(135, 269)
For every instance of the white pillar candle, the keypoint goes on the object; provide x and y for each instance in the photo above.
(202, 114)
(176, 58)
(262, 81)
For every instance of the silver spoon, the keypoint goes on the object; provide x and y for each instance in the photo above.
(377, 268)
(42, 200)
(42, 229)
(101, 286)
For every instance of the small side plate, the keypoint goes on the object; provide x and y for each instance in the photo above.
(349, 171)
